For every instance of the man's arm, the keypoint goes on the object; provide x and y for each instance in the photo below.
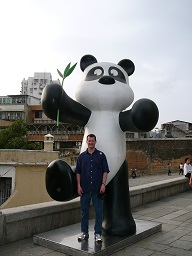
(102, 189)
(104, 178)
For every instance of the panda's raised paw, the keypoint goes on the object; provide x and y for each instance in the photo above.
(61, 181)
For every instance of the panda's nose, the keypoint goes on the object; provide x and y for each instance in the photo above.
(106, 80)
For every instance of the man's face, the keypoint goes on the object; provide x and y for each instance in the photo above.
(91, 142)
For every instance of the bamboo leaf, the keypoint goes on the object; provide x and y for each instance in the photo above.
(66, 69)
(60, 73)
(70, 70)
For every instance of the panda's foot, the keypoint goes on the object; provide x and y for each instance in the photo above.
(119, 227)
(61, 182)
(118, 219)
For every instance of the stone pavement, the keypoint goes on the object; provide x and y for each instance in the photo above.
(151, 178)
(175, 214)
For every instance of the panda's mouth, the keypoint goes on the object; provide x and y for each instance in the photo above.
(106, 80)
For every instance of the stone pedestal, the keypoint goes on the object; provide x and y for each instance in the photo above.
(65, 239)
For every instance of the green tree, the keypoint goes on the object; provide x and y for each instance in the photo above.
(14, 137)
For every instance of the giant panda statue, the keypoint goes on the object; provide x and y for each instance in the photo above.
(101, 100)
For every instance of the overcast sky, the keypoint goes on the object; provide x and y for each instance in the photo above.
(43, 35)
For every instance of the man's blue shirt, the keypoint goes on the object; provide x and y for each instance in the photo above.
(91, 168)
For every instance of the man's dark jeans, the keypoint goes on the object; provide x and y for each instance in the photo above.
(98, 206)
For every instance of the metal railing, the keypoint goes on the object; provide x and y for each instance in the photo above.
(54, 132)
(4, 195)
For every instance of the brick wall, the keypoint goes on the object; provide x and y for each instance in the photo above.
(150, 156)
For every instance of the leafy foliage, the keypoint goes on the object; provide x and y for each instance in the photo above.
(14, 137)
(67, 72)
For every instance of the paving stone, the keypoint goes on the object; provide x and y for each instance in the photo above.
(38, 250)
(160, 254)
(161, 212)
(185, 224)
(19, 245)
(166, 238)
(20, 253)
(168, 227)
(183, 230)
(184, 203)
(175, 214)
(182, 244)
(152, 246)
(178, 252)
(134, 251)
(189, 222)
(165, 221)
(54, 253)
(185, 217)
(187, 237)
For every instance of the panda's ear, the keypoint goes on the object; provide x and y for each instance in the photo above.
(128, 66)
(87, 60)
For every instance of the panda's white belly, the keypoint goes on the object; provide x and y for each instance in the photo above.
(110, 138)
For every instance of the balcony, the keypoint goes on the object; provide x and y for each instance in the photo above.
(44, 121)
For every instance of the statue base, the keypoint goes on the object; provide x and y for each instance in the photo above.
(65, 239)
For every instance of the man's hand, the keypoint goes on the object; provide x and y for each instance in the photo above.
(102, 189)
(79, 190)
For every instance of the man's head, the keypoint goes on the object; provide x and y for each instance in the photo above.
(91, 141)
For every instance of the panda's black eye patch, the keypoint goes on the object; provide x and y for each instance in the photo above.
(94, 74)
(117, 74)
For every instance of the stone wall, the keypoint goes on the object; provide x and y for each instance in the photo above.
(25, 221)
(151, 156)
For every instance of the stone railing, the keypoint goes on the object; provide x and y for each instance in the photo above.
(25, 221)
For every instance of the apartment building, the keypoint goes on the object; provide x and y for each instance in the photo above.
(34, 86)
(16, 107)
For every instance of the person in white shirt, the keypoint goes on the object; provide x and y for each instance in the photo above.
(188, 170)
(181, 168)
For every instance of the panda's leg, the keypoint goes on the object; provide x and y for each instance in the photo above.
(118, 218)
(61, 181)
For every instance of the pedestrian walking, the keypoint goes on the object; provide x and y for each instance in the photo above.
(169, 169)
(181, 168)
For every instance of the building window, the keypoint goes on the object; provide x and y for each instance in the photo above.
(11, 116)
(38, 114)
(5, 189)
(129, 135)
(143, 135)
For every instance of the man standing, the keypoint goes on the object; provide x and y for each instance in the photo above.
(91, 172)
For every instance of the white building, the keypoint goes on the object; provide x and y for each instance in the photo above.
(33, 86)
(176, 129)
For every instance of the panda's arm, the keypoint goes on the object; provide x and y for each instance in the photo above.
(141, 118)
(70, 111)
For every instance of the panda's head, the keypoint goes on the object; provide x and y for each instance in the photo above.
(105, 86)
